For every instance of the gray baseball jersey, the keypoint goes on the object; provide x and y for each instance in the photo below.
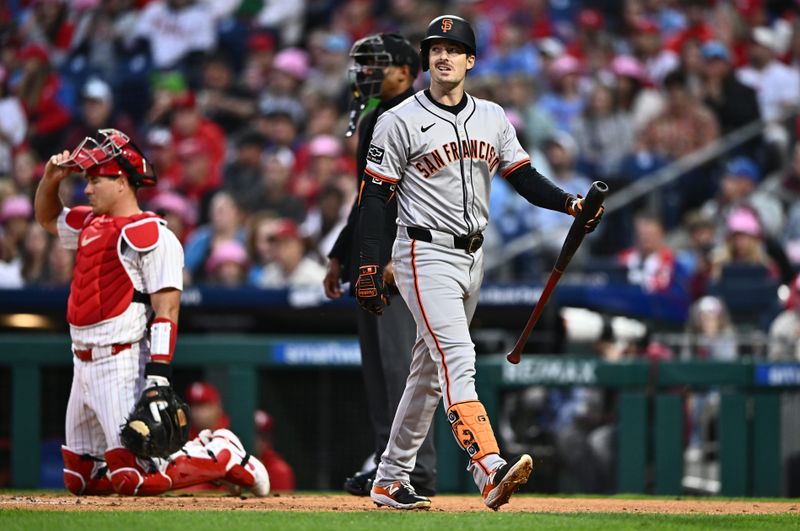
(443, 164)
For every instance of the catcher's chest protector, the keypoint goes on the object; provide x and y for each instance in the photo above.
(101, 288)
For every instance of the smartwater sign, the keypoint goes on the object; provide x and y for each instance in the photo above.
(319, 353)
(778, 374)
(551, 372)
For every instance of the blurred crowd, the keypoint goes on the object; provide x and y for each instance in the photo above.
(241, 106)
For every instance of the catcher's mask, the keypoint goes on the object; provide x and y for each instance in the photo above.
(370, 56)
(112, 154)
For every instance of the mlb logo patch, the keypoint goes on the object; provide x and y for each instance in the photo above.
(375, 154)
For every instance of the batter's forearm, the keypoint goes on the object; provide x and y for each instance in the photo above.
(372, 215)
(538, 189)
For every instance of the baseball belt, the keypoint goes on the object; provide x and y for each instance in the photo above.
(471, 243)
(99, 352)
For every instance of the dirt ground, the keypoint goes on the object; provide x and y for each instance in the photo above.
(309, 502)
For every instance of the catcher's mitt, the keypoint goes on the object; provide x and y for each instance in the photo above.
(158, 425)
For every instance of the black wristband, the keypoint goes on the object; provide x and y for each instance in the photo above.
(158, 369)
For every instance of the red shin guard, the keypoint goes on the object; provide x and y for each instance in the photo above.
(84, 475)
(186, 471)
(129, 478)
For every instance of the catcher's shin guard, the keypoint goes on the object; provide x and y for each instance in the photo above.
(217, 456)
(84, 474)
(129, 476)
(209, 457)
(197, 464)
(472, 430)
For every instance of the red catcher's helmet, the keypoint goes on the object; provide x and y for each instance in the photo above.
(113, 155)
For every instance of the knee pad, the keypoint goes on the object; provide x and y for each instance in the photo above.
(130, 478)
(472, 430)
(85, 474)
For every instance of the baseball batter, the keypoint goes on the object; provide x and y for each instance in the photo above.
(128, 271)
(438, 151)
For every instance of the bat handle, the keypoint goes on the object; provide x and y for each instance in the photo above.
(594, 199)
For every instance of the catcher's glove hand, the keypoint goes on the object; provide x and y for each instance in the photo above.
(158, 425)
(370, 290)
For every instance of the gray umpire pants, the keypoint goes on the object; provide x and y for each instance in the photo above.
(386, 344)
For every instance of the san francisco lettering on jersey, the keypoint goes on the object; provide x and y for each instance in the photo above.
(433, 161)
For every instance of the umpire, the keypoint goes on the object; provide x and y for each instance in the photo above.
(385, 67)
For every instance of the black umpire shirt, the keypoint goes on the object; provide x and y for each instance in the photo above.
(347, 246)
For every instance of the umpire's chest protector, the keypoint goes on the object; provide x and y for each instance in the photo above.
(101, 287)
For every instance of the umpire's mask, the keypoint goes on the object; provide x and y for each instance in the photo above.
(370, 56)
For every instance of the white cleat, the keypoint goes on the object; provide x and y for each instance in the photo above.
(244, 470)
(260, 482)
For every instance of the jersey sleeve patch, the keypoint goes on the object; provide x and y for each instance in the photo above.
(375, 154)
(76, 217)
(142, 235)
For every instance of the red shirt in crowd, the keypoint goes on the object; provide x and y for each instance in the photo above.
(281, 475)
(48, 115)
(212, 139)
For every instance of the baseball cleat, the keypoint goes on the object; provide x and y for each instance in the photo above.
(505, 480)
(398, 496)
(256, 468)
(244, 470)
(250, 474)
(361, 483)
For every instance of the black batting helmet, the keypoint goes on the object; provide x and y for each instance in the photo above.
(448, 27)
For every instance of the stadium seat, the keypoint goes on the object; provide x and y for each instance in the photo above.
(750, 294)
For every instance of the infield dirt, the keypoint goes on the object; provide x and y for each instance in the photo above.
(343, 503)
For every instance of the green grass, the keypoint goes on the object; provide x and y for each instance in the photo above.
(27, 520)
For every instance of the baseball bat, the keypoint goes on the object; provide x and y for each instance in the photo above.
(594, 199)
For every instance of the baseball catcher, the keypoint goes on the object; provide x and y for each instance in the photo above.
(123, 312)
